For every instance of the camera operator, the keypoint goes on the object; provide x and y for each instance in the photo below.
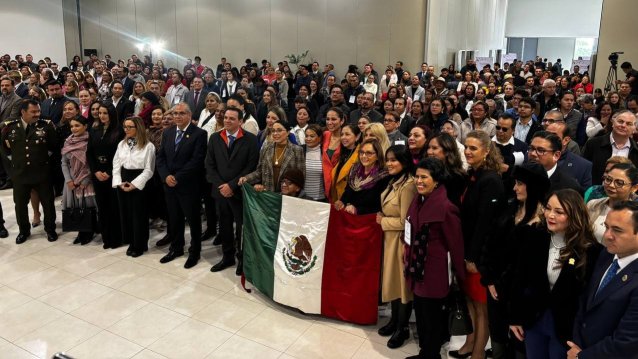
(632, 74)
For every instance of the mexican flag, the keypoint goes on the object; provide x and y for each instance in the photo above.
(308, 256)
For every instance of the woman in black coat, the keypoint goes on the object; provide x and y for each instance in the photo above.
(103, 141)
(502, 248)
(553, 269)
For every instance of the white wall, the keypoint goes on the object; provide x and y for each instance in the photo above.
(554, 48)
(455, 25)
(553, 18)
(35, 27)
(618, 32)
(341, 32)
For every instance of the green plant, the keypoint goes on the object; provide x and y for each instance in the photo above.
(297, 59)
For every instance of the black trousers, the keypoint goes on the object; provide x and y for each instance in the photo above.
(156, 198)
(21, 198)
(108, 212)
(133, 214)
(180, 206)
(504, 346)
(430, 313)
(210, 208)
(230, 212)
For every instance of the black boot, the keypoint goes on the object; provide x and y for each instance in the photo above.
(389, 329)
(402, 332)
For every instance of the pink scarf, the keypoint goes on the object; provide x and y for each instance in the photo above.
(76, 146)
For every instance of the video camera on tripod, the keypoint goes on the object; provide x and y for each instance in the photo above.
(613, 57)
(612, 75)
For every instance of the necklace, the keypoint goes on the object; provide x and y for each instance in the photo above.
(279, 157)
(554, 245)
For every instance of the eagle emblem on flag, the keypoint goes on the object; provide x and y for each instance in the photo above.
(297, 255)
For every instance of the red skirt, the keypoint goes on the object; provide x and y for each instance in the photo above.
(473, 287)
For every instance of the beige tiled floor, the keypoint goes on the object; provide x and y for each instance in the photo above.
(95, 303)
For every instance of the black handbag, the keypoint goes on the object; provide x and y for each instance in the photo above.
(459, 320)
(79, 219)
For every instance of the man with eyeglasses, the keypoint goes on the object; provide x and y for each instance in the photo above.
(367, 108)
(575, 165)
(555, 116)
(526, 125)
(545, 150)
(391, 125)
(619, 143)
(513, 150)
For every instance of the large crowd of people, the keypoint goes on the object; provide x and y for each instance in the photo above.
(517, 181)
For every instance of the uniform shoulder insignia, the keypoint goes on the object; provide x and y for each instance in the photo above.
(46, 121)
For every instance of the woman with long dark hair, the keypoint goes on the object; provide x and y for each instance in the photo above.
(601, 124)
(553, 269)
(444, 147)
(103, 140)
(418, 142)
(502, 248)
(77, 174)
(436, 115)
(395, 202)
(348, 156)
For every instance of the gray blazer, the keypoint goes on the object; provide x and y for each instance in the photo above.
(294, 157)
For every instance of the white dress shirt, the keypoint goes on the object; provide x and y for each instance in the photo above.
(134, 159)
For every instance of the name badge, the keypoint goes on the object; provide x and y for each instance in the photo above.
(407, 231)
(399, 142)
(352, 99)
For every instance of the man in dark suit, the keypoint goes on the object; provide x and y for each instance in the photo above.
(619, 143)
(180, 164)
(52, 107)
(606, 325)
(9, 110)
(513, 150)
(196, 98)
(545, 149)
(232, 153)
(407, 122)
(574, 165)
(123, 106)
(367, 108)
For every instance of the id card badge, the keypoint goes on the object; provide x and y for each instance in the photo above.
(407, 231)
(399, 142)
(353, 99)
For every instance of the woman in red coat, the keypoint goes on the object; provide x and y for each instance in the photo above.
(434, 231)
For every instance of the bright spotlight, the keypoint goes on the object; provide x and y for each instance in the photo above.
(157, 46)
(140, 46)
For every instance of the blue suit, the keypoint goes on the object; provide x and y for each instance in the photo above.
(606, 325)
(576, 166)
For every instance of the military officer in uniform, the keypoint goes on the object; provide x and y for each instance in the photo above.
(29, 143)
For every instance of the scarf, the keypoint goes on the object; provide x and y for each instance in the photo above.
(358, 180)
(76, 147)
(145, 115)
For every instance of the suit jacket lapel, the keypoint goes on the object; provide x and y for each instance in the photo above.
(623, 277)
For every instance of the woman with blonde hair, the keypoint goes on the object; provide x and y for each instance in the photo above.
(377, 131)
(136, 97)
(133, 167)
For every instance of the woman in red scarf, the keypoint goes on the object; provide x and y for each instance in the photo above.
(77, 174)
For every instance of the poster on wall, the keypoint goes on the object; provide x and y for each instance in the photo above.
(482, 61)
(509, 58)
(582, 65)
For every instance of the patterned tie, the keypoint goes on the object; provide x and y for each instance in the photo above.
(611, 273)
(196, 97)
(231, 140)
(178, 139)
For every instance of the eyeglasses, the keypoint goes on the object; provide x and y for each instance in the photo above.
(286, 182)
(618, 183)
(539, 150)
(550, 121)
(502, 129)
(128, 127)
(367, 154)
